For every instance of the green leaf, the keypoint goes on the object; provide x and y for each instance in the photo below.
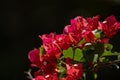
(62, 72)
(97, 33)
(109, 53)
(118, 57)
(81, 42)
(95, 76)
(68, 53)
(42, 50)
(62, 69)
(106, 53)
(102, 59)
(78, 55)
(109, 46)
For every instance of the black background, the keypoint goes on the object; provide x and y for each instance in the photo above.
(22, 21)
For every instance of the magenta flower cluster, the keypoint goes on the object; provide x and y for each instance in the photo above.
(56, 60)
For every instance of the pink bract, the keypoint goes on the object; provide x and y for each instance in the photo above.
(74, 70)
(93, 23)
(110, 26)
(47, 77)
(34, 57)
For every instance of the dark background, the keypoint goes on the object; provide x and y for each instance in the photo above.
(22, 21)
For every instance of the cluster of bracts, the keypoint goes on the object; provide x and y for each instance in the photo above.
(49, 58)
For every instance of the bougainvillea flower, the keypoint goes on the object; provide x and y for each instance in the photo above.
(48, 64)
(88, 35)
(39, 78)
(110, 26)
(54, 51)
(50, 44)
(79, 22)
(69, 29)
(76, 24)
(74, 38)
(47, 77)
(74, 70)
(38, 73)
(47, 40)
(82, 36)
(104, 40)
(93, 23)
(49, 68)
(52, 77)
(69, 77)
(75, 29)
(62, 41)
(34, 57)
